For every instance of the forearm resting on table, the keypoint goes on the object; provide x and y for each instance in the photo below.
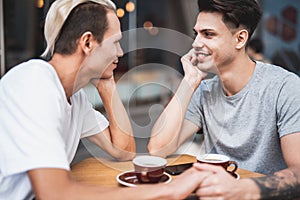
(50, 183)
(174, 190)
(165, 132)
(120, 131)
(103, 140)
(284, 184)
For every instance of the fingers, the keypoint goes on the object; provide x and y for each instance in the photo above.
(192, 66)
(211, 198)
(208, 167)
(194, 59)
(189, 62)
(186, 59)
(210, 192)
(191, 179)
(211, 188)
(190, 58)
(219, 185)
(195, 174)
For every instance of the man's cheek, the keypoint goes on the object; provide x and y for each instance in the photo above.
(104, 55)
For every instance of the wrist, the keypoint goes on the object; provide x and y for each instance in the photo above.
(166, 191)
(249, 189)
(106, 91)
(192, 83)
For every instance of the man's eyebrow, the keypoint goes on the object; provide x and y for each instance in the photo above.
(205, 30)
(202, 30)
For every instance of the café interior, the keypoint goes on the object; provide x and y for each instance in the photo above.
(150, 70)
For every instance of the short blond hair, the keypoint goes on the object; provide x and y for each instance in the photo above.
(56, 17)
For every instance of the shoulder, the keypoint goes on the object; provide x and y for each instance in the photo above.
(275, 72)
(37, 65)
(31, 70)
(81, 102)
(80, 97)
(34, 79)
(275, 77)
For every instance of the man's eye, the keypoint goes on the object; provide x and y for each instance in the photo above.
(208, 34)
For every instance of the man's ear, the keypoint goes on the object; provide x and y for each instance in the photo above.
(241, 38)
(87, 42)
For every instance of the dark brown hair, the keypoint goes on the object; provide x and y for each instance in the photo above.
(84, 17)
(236, 13)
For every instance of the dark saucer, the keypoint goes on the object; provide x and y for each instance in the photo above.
(129, 179)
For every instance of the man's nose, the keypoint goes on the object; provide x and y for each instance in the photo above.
(120, 51)
(197, 44)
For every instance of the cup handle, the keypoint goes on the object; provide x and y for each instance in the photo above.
(231, 162)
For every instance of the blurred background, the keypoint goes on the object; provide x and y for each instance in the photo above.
(22, 24)
(150, 70)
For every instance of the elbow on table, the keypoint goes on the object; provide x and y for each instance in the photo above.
(124, 155)
(124, 152)
(153, 147)
(161, 150)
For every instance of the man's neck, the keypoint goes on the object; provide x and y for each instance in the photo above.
(235, 76)
(66, 68)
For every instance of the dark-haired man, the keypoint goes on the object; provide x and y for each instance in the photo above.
(250, 111)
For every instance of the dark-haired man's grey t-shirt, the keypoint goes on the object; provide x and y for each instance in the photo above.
(248, 125)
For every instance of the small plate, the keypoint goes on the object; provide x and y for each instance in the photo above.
(129, 178)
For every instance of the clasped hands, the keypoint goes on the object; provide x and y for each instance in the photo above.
(209, 182)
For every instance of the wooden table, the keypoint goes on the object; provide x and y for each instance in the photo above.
(103, 172)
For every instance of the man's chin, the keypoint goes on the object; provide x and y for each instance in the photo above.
(208, 69)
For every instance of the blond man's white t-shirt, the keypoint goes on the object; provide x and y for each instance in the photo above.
(39, 128)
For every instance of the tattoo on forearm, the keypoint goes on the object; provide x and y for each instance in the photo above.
(282, 185)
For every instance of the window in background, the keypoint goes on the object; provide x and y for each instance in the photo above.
(281, 33)
(23, 27)
(2, 68)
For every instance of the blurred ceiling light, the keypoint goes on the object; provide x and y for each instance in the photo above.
(130, 6)
(120, 12)
(40, 3)
(148, 25)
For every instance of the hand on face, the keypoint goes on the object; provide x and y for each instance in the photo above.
(219, 185)
(192, 73)
(104, 84)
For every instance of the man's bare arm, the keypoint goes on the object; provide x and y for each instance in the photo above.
(51, 183)
(119, 134)
(284, 184)
(166, 133)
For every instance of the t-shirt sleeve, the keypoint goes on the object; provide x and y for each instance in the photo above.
(94, 122)
(30, 123)
(193, 112)
(288, 106)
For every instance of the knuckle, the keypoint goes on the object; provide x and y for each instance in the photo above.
(219, 191)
